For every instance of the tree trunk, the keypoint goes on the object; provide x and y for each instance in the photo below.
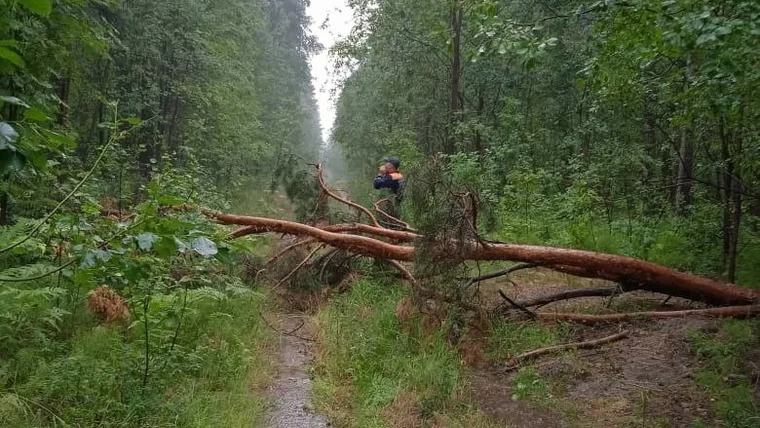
(455, 105)
(731, 197)
(685, 173)
(685, 158)
(63, 96)
(627, 270)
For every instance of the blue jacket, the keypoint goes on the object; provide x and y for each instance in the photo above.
(387, 182)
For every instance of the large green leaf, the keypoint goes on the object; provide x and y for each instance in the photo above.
(204, 246)
(146, 240)
(11, 160)
(40, 7)
(11, 56)
(60, 139)
(36, 115)
(8, 135)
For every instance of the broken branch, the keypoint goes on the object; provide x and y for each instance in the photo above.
(333, 195)
(572, 294)
(300, 265)
(746, 311)
(578, 345)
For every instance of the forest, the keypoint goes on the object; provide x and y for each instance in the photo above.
(576, 242)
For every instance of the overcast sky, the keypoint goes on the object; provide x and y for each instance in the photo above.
(331, 21)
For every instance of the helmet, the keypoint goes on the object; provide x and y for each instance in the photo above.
(393, 160)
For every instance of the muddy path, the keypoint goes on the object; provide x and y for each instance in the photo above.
(291, 388)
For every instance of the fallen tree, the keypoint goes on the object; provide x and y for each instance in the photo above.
(638, 273)
(396, 246)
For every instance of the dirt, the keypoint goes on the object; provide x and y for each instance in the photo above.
(644, 380)
(291, 389)
(492, 394)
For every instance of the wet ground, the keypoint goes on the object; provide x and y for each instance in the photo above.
(291, 389)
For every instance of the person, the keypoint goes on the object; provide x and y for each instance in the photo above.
(389, 177)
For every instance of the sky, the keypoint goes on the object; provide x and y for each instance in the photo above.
(331, 20)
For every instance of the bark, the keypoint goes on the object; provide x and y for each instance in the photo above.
(572, 294)
(745, 311)
(455, 104)
(626, 270)
(685, 173)
(731, 199)
(686, 160)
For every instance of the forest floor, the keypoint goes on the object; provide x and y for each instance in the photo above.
(290, 391)
(657, 377)
(653, 378)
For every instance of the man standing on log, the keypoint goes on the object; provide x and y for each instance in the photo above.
(389, 177)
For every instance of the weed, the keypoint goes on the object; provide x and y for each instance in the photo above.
(529, 384)
(731, 390)
(507, 339)
(394, 374)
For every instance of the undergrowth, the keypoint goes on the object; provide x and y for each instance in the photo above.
(725, 377)
(146, 323)
(507, 339)
(374, 371)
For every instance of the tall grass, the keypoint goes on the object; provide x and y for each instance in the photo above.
(375, 371)
(95, 378)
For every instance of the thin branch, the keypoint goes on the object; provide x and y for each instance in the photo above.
(747, 311)
(500, 273)
(518, 306)
(568, 295)
(288, 248)
(76, 188)
(286, 333)
(406, 225)
(300, 265)
(515, 362)
(327, 261)
(332, 194)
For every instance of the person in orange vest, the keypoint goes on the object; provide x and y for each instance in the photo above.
(389, 177)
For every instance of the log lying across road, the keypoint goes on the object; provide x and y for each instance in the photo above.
(621, 269)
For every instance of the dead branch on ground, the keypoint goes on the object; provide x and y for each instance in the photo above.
(515, 362)
(745, 311)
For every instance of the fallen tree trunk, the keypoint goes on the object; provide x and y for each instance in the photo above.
(746, 311)
(626, 270)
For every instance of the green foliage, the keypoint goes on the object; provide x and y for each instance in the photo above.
(529, 384)
(507, 339)
(366, 351)
(609, 126)
(191, 342)
(724, 378)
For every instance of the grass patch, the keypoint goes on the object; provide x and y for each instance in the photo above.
(724, 378)
(372, 371)
(208, 376)
(529, 384)
(507, 339)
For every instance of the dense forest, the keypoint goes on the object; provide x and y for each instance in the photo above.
(121, 107)
(622, 126)
(610, 146)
